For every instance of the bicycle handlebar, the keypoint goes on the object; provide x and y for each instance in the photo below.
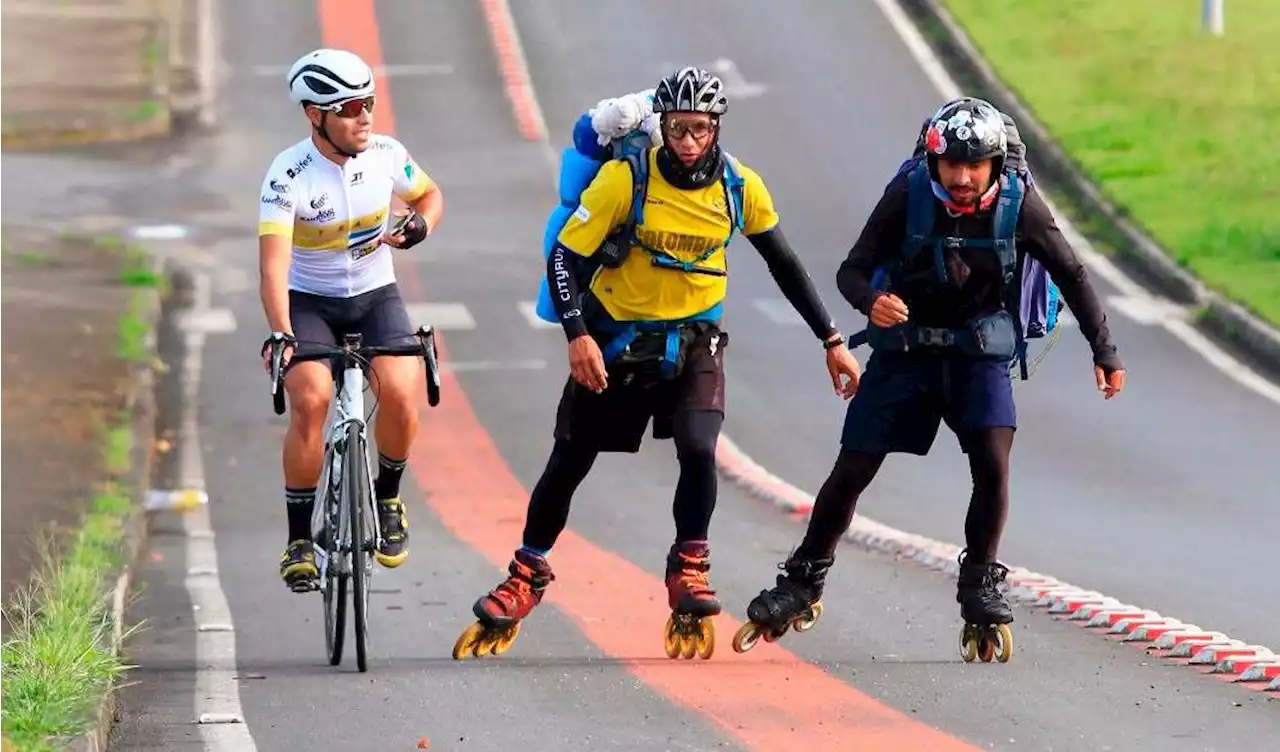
(351, 348)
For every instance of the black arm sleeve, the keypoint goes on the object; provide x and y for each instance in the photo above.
(1044, 242)
(564, 291)
(793, 280)
(881, 237)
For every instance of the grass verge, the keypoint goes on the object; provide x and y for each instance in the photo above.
(1172, 124)
(59, 660)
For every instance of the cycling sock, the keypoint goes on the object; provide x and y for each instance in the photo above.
(549, 502)
(836, 500)
(298, 503)
(387, 486)
(695, 434)
(989, 451)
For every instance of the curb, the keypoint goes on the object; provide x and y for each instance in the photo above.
(140, 402)
(1135, 250)
(18, 140)
(1160, 636)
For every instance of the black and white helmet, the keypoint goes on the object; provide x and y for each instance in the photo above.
(326, 76)
(966, 130)
(690, 90)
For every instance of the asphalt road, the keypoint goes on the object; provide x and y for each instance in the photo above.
(1159, 497)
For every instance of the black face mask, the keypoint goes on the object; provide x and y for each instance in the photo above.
(700, 174)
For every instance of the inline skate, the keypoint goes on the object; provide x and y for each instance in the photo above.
(794, 603)
(690, 630)
(986, 614)
(499, 612)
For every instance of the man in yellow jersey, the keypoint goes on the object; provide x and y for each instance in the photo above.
(325, 234)
(648, 241)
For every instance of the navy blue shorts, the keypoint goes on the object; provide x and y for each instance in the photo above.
(903, 397)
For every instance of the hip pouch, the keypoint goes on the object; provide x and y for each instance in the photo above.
(654, 356)
(990, 337)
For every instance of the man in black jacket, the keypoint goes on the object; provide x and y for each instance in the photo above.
(928, 365)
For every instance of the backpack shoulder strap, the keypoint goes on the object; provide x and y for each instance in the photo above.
(919, 211)
(639, 164)
(1005, 223)
(734, 185)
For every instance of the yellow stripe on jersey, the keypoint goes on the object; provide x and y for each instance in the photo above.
(274, 228)
(334, 236)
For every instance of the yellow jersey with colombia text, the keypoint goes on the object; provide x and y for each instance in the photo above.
(683, 223)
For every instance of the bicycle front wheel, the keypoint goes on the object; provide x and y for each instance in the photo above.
(356, 495)
(335, 581)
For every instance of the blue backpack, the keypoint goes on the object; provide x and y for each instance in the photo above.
(1034, 304)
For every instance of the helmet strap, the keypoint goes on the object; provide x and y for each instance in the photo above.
(324, 114)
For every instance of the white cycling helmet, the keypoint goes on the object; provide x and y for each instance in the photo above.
(326, 76)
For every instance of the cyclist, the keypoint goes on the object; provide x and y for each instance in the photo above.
(908, 391)
(644, 336)
(325, 234)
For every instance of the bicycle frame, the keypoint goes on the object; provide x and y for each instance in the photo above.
(348, 408)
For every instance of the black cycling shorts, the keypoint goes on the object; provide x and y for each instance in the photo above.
(379, 316)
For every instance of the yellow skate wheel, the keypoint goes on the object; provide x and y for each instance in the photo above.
(484, 645)
(706, 639)
(746, 637)
(986, 648)
(671, 638)
(968, 645)
(688, 645)
(810, 618)
(1004, 650)
(505, 639)
(466, 644)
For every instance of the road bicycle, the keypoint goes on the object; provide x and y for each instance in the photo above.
(345, 526)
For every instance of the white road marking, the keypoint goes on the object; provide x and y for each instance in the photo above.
(206, 321)
(217, 693)
(441, 316)
(493, 365)
(779, 311)
(1097, 263)
(1147, 310)
(529, 309)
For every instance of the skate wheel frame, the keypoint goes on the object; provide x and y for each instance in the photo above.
(990, 642)
(687, 636)
(750, 633)
(479, 640)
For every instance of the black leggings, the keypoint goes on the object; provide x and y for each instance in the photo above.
(695, 434)
(989, 451)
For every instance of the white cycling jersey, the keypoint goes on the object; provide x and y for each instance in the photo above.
(335, 215)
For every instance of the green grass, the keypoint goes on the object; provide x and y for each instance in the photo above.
(1174, 125)
(132, 330)
(58, 661)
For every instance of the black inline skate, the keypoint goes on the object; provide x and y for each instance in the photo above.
(986, 614)
(794, 603)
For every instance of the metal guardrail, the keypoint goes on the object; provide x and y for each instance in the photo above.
(83, 71)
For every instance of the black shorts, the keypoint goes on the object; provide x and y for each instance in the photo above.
(615, 420)
(378, 316)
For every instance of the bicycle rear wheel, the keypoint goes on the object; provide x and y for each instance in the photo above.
(356, 497)
(335, 581)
